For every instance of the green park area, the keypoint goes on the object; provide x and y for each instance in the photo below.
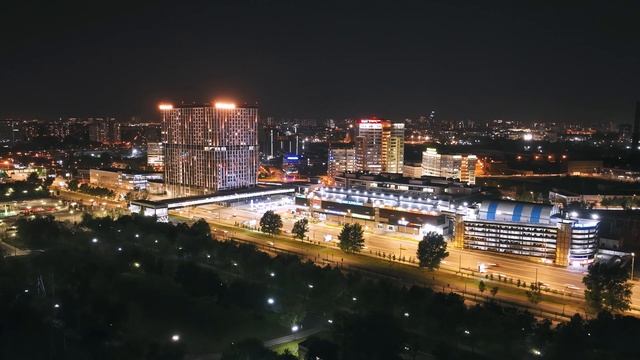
(133, 288)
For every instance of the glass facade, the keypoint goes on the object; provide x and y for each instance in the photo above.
(207, 148)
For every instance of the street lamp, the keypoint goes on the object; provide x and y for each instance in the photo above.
(175, 337)
(536, 352)
(633, 258)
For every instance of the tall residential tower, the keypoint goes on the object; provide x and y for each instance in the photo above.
(379, 146)
(208, 147)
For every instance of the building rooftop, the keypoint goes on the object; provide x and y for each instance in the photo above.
(200, 105)
(399, 179)
(513, 211)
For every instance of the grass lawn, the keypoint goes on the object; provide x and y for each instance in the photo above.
(292, 347)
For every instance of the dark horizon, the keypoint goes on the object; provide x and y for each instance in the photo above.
(526, 61)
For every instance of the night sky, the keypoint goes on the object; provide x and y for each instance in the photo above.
(467, 60)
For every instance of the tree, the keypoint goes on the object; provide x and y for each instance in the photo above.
(607, 287)
(198, 281)
(300, 228)
(41, 232)
(270, 223)
(137, 195)
(351, 238)
(33, 178)
(431, 250)
(494, 291)
(73, 185)
(319, 348)
(370, 336)
(482, 286)
(535, 294)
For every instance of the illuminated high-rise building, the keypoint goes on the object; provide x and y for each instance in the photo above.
(393, 148)
(379, 146)
(155, 155)
(208, 148)
(341, 159)
(451, 166)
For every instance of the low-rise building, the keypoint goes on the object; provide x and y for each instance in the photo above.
(124, 180)
(584, 167)
(425, 184)
(412, 170)
(381, 209)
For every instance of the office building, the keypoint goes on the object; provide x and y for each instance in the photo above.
(341, 159)
(450, 166)
(412, 170)
(208, 148)
(122, 180)
(379, 146)
(393, 148)
(58, 129)
(104, 130)
(155, 155)
(535, 231)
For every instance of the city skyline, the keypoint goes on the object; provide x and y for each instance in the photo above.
(560, 64)
(336, 180)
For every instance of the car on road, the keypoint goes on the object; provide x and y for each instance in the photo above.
(12, 231)
(571, 287)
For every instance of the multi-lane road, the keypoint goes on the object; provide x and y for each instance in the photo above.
(564, 280)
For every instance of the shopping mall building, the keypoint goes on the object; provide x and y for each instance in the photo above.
(417, 206)
(532, 230)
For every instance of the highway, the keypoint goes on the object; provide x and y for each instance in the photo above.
(564, 280)
(88, 200)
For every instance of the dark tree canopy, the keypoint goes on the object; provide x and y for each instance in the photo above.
(300, 228)
(41, 232)
(197, 280)
(482, 286)
(431, 250)
(33, 178)
(270, 223)
(113, 310)
(534, 294)
(351, 238)
(372, 336)
(607, 287)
